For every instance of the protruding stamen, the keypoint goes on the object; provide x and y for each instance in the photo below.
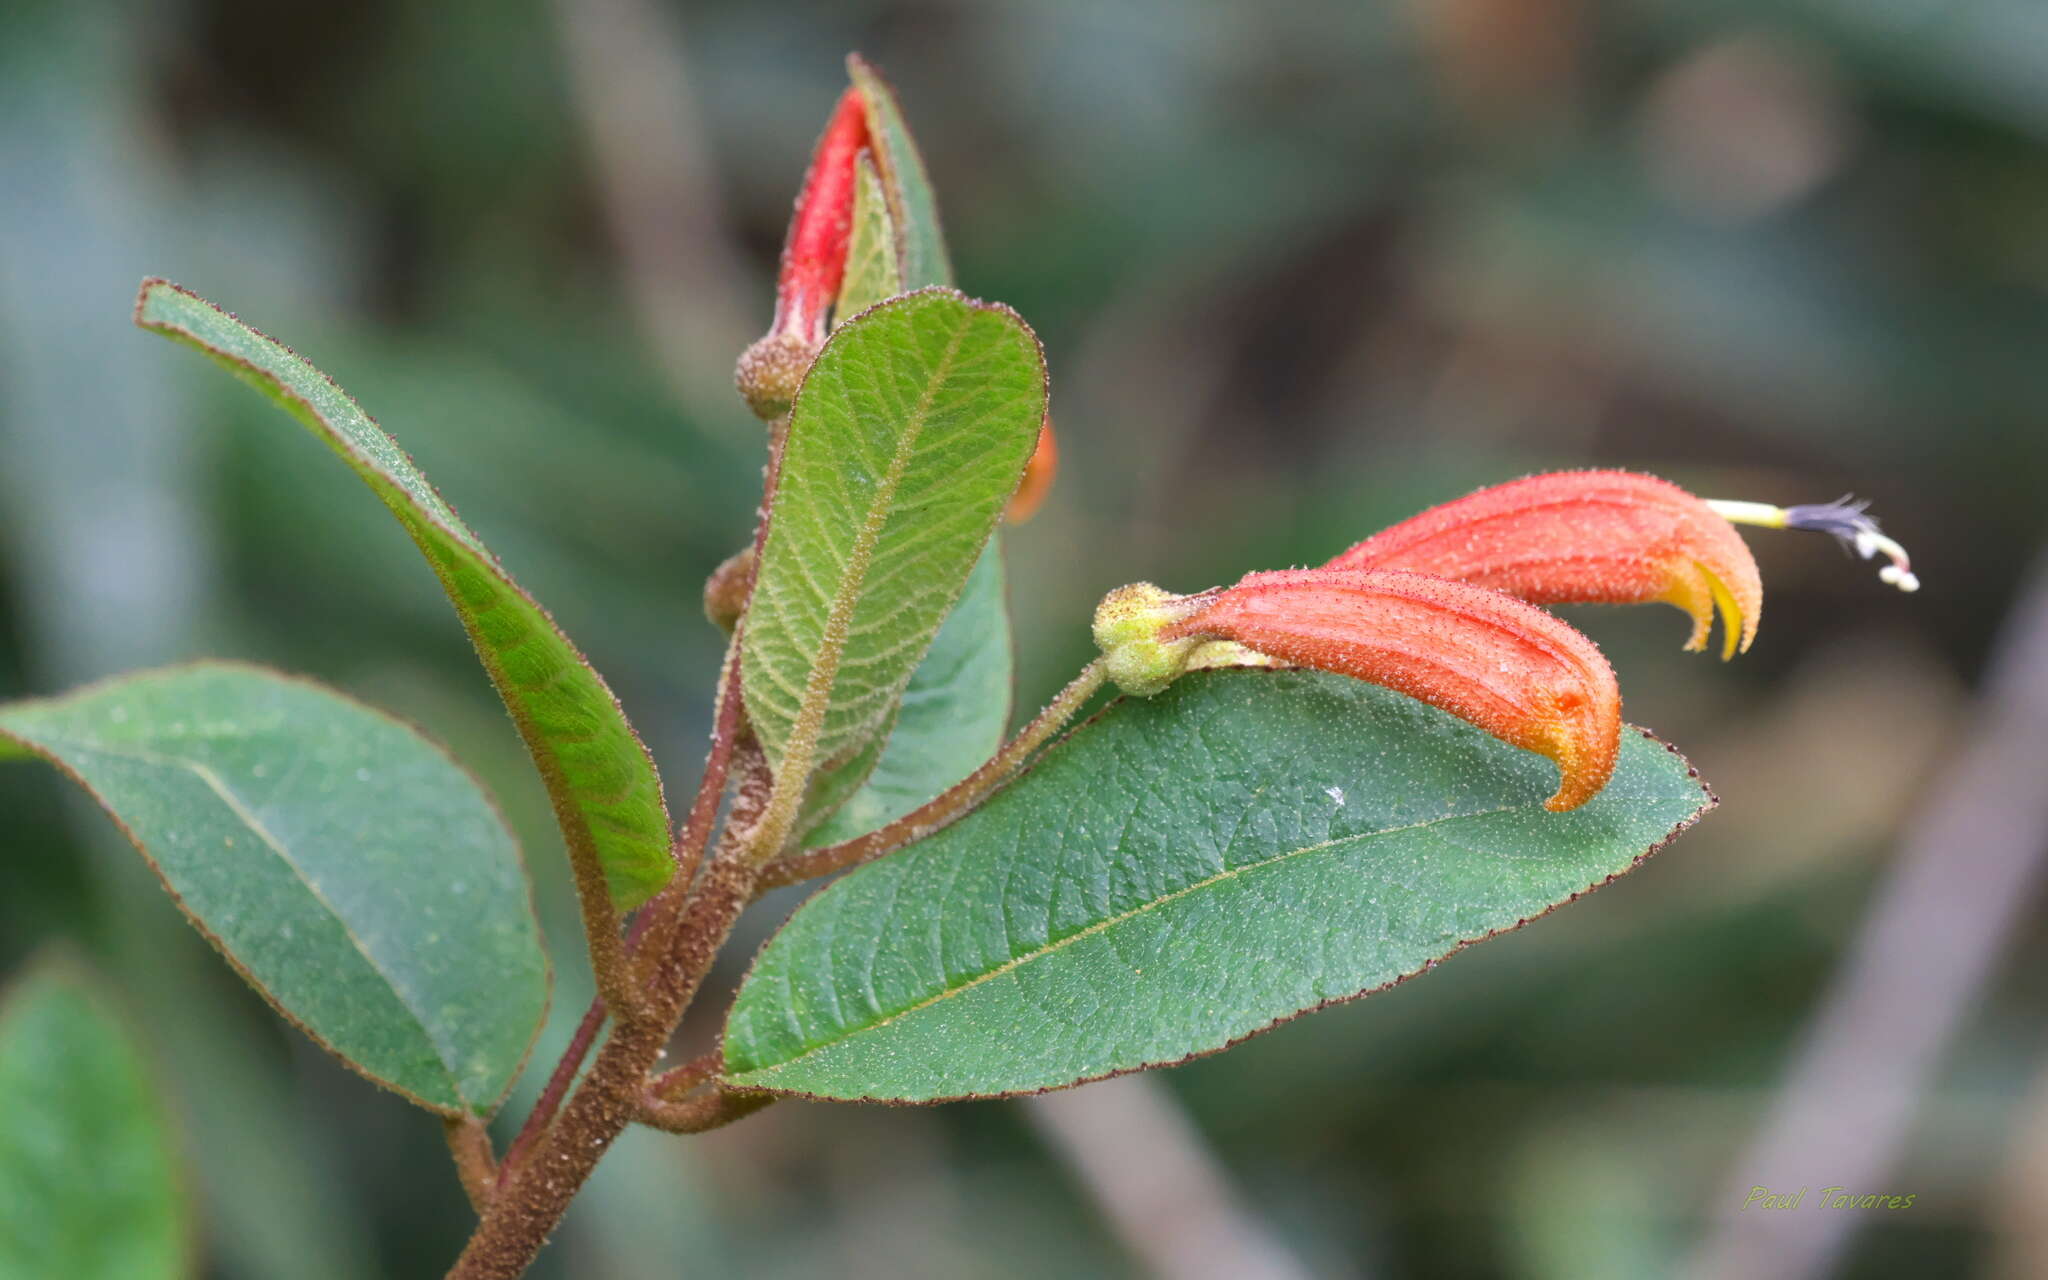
(1847, 520)
(1761, 514)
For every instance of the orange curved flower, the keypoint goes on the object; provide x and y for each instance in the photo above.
(1038, 477)
(1572, 537)
(1523, 675)
(1442, 607)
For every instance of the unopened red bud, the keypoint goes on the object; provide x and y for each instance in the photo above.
(1596, 537)
(1523, 675)
(813, 264)
(814, 256)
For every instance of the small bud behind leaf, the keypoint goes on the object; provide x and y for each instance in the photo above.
(1038, 477)
(727, 589)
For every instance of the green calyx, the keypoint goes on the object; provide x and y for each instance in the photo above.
(1128, 624)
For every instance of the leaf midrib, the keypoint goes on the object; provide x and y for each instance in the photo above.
(1059, 944)
(220, 787)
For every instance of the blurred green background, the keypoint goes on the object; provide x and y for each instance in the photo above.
(1300, 270)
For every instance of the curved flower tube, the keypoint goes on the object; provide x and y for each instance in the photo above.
(1523, 675)
(1585, 537)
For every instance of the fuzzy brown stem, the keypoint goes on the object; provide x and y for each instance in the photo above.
(691, 838)
(714, 1108)
(730, 738)
(531, 1201)
(671, 1085)
(557, 1087)
(951, 804)
(470, 1143)
(726, 732)
(601, 932)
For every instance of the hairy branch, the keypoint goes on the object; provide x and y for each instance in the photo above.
(950, 805)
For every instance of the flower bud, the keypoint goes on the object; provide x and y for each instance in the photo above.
(727, 589)
(1128, 627)
(1593, 537)
(813, 264)
(1517, 672)
(770, 371)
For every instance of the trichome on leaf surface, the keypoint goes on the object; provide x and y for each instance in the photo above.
(1318, 781)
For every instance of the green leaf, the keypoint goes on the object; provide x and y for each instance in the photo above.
(872, 272)
(921, 245)
(606, 793)
(1181, 873)
(953, 713)
(89, 1186)
(908, 435)
(341, 862)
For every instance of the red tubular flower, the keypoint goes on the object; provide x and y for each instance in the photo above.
(813, 264)
(1522, 675)
(814, 256)
(1571, 537)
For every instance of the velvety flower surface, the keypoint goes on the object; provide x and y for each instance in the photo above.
(1577, 537)
(1521, 674)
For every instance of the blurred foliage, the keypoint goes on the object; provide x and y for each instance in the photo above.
(1300, 270)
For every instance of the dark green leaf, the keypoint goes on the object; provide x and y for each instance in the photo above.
(905, 440)
(343, 864)
(89, 1185)
(1178, 874)
(606, 793)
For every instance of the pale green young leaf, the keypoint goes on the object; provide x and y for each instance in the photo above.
(872, 272)
(607, 796)
(904, 442)
(89, 1185)
(345, 866)
(1176, 875)
(921, 244)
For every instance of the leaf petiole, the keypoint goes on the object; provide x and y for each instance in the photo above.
(953, 803)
